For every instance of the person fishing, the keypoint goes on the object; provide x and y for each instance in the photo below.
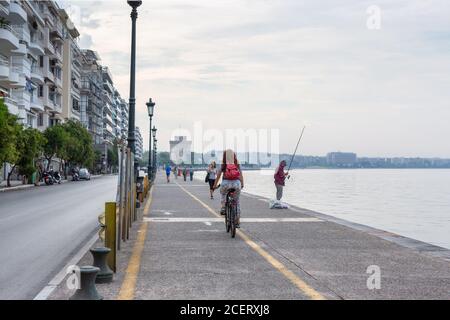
(280, 175)
(232, 179)
(280, 178)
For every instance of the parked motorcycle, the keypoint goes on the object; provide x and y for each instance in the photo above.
(48, 178)
(57, 177)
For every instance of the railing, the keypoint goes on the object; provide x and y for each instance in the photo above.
(10, 101)
(10, 29)
(37, 70)
(4, 61)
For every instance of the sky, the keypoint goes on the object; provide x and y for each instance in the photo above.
(378, 89)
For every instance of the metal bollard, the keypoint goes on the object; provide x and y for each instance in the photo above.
(87, 290)
(105, 274)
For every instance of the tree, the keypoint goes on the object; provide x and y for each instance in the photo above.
(31, 143)
(9, 130)
(56, 142)
(79, 149)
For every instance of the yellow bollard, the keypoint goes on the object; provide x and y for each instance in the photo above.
(110, 235)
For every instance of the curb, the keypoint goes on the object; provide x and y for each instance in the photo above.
(30, 186)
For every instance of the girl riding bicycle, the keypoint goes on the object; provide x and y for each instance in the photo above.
(232, 179)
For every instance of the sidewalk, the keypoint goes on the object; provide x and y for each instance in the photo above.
(18, 185)
(182, 251)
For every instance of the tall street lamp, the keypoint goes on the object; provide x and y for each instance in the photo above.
(132, 102)
(155, 158)
(150, 108)
(154, 137)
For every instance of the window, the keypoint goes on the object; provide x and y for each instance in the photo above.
(41, 61)
(75, 104)
(40, 120)
(41, 91)
(29, 121)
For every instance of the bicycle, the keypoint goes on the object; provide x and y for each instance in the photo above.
(231, 212)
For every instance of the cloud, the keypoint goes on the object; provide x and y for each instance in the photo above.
(283, 62)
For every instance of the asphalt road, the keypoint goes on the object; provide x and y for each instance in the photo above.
(41, 228)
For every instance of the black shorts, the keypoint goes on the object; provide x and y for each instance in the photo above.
(211, 183)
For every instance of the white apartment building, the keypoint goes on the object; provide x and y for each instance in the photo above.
(32, 36)
(45, 78)
(71, 71)
(139, 144)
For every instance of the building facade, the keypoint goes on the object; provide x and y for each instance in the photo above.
(46, 79)
(139, 144)
(341, 159)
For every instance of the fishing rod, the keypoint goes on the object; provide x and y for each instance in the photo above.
(295, 152)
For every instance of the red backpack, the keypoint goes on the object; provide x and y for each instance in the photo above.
(231, 172)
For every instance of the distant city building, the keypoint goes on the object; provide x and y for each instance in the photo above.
(341, 159)
(180, 150)
(139, 143)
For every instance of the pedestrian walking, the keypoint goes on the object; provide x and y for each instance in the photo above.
(191, 174)
(280, 177)
(211, 177)
(184, 173)
(168, 172)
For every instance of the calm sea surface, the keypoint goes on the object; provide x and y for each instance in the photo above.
(413, 203)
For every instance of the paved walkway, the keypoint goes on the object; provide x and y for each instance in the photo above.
(183, 252)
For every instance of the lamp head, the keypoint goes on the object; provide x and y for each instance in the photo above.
(134, 3)
(150, 107)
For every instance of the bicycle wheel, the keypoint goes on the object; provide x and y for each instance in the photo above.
(233, 213)
(227, 217)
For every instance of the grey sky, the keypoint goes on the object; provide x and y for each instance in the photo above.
(285, 63)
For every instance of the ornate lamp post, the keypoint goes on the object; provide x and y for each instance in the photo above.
(155, 157)
(132, 103)
(150, 108)
(154, 137)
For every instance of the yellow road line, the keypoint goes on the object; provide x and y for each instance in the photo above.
(149, 202)
(299, 283)
(128, 287)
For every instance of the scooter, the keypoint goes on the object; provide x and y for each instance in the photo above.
(57, 177)
(48, 178)
(75, 176)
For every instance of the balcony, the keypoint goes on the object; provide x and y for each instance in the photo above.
(8, 40)
(49, 47)
(23, 98)
(13, 108)
(4, 68)
(57, 32)
(22, 32)
(36, 103)
(36, 44)
(22, 51)
(17, 14)
(15, 78)
(4, 9)
(37, 74)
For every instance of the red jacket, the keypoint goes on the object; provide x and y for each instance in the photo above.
(279, 176)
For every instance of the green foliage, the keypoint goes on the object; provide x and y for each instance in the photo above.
(30, 145)
(9, 131)
(78, 148)
(57, 139)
